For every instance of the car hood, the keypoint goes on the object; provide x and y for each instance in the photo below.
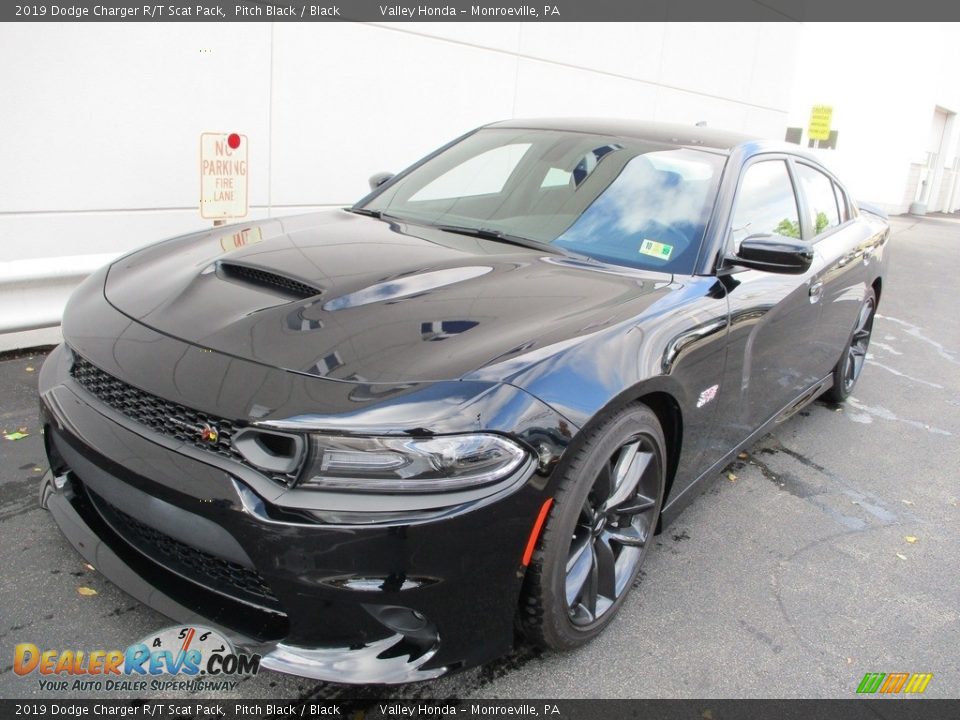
(354, 298)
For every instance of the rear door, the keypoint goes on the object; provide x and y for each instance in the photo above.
(840, 241)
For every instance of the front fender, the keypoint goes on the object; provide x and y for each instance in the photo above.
(675, 347)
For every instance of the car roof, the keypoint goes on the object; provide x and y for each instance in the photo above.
(668, 133)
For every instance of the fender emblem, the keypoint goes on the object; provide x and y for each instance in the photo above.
(707, 395)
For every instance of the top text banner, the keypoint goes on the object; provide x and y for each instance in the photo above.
(483, 11)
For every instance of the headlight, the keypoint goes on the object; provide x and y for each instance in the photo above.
(401, 464)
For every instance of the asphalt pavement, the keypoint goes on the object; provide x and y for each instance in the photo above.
(831, 550)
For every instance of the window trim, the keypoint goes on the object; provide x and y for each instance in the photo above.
(853, 211)
(841, 199)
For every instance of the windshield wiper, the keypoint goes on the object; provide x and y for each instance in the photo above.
(499, 236)
(484, 233)
(378, 214)
(364, 211)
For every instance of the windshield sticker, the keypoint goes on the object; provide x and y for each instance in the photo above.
(659, 250)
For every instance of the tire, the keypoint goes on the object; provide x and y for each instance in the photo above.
(593, 520)
(850, 366)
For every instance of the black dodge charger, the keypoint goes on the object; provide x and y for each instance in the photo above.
(371, 443)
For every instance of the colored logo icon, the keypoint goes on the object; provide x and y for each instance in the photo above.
(893, 683)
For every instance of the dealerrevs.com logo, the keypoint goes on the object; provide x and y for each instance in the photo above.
(894, 683)
(176, 658)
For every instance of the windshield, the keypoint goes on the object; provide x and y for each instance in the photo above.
(619, 200)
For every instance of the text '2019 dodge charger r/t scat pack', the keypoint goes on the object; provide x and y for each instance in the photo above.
(369, 443)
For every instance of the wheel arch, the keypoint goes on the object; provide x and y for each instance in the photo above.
(665, 404)
(877, 285)
(665, 398)
(670, 416)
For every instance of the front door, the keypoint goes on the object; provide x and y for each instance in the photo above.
(771, 354)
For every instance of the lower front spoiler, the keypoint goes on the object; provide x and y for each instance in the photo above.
(382, 662)
(352, 665)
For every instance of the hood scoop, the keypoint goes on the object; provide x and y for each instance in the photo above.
(274, 282)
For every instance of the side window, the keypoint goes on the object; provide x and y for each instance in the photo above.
(483, 174)
(766, 202)
(821, 200)
(842, 203)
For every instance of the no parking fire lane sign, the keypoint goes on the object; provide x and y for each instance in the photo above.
(223, 175)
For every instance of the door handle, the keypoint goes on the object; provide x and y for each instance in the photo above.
(816, 291)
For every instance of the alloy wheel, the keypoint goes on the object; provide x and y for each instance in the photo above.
(611, 536)
(859, 342)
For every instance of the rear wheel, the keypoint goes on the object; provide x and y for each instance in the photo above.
(599, 531)
(848, 369)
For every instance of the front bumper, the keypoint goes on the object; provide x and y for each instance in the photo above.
(368, 663)
(342, 603)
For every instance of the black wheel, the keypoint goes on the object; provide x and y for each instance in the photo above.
(599, 531)
(848, 369)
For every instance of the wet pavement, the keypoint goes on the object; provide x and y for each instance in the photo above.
(830, 550)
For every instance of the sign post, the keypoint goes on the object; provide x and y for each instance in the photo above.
(224, 164)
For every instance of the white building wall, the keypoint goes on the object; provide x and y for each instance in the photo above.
(884, 81)
(101, 123)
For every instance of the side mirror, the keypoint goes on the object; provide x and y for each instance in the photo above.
(378, 179)
(774, 253)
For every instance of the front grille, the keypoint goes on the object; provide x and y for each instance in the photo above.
(267, 279)
(210, 571)
(165, 417)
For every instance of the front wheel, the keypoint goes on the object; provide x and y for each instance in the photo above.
(599, 531)
(848, 369)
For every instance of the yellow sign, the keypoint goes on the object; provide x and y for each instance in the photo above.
(820, 116)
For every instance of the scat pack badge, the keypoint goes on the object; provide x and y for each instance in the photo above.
(206, 432)
(202, 657)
